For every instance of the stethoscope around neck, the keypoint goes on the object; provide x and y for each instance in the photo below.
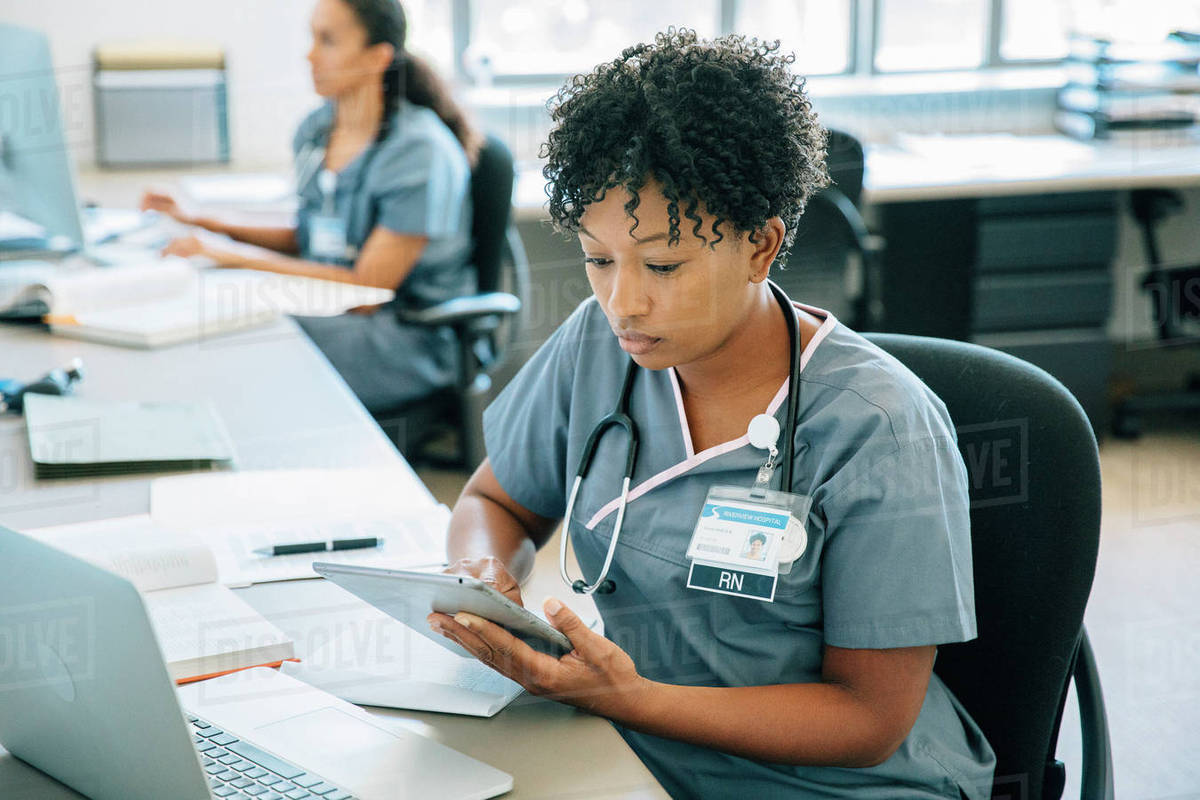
(619, 417)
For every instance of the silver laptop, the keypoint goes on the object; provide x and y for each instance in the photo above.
(85, 697)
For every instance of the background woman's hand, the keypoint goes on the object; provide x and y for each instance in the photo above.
(166, 203)
(492, 571)
(188, 246)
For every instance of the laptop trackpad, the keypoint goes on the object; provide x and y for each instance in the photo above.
(363, 757)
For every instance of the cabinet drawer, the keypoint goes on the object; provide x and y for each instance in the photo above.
(1042, 300)
(1062, 241)
(1050, 203)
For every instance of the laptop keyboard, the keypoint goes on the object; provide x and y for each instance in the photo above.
(238, 770)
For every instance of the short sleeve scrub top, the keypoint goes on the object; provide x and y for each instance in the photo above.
(888, 561)
(415, 180)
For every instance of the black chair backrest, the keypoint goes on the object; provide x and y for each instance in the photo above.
(491, 198)
(821, 237)
(845, 162)
(1035, 530)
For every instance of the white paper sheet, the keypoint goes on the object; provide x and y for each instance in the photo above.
(410, 540)
(204, 500)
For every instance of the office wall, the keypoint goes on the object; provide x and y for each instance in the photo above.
(265, 42)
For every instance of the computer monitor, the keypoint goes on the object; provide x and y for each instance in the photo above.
(36, 175)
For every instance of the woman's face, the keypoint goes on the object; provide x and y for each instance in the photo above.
(667, 305)
(340, 59)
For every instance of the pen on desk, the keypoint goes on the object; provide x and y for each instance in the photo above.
(319, 547)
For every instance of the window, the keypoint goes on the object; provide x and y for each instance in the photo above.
(431, 32)
(931, 34)
(817, 31)
(560, 37)
(536, 42)
(1033, 30)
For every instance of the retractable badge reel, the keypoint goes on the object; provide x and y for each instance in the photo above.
(327, 231)
(746, 538)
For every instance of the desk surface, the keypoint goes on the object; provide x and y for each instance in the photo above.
(285, 407)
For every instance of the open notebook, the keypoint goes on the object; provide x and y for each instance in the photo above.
(161, 301)
(203, 628)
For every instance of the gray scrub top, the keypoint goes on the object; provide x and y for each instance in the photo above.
(415, 181)
(888, 562)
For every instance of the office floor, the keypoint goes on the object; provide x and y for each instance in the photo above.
(1143, 617)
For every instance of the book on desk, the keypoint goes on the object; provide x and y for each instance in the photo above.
(154, 301)
(203, 628)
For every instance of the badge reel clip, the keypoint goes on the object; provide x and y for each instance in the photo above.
(55, 382)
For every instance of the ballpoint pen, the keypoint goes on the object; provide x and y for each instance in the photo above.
(319, 547)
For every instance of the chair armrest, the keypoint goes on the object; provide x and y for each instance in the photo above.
(463, 309)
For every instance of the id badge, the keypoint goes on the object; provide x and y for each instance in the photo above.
(327, 237)
(745, 539)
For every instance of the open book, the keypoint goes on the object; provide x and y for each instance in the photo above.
(160, 301)
(203, 628)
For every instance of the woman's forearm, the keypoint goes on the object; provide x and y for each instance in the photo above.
(481, 527)
(286, 265)
(809, 723)
(279, 239)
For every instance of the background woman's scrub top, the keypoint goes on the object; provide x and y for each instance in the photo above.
(415, 181)
(888, 561)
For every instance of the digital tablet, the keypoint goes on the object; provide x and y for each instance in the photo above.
(410, 597)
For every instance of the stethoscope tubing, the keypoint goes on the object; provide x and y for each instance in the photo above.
(620, 418)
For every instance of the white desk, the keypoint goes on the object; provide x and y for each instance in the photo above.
(936, 168)
(285, 407)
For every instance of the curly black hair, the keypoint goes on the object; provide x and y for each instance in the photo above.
(722, 125)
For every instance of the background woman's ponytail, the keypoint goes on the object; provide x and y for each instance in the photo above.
(411, 77)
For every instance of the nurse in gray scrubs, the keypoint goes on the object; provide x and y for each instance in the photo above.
(683, 166)
(383, 171)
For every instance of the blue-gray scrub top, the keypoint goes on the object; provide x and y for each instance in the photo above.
(888, 561)
(415, 181)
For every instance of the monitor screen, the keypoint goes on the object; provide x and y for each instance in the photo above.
(36, 178)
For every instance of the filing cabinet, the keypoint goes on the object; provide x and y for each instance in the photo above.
(1027, 274)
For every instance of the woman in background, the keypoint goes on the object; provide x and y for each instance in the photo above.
(383, 172)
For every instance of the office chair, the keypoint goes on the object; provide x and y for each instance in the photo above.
(484, 324)
(833, 227)
(1034, 476)
(1174, 297)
